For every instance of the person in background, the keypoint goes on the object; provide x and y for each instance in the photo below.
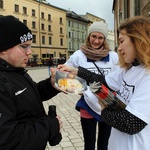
(130, 126)
(61, 60)
(95, 56)
(24, 124)
(43, 62)
(50, 64)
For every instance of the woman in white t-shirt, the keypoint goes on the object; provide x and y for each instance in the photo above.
(96, 57)
(130, 126)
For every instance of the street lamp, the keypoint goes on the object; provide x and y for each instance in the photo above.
(40, 28)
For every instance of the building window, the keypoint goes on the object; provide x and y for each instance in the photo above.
(50, 40)
(82, 26)
(34, 38)
(137, 7)
(61, 42)
(60, 20)
(82, 36)
(42, 15)
(72, 34)
(49, 28)
(69, 45)
(69, 34)
(78, 46)
(49, 17)
(72, 46)
(77, 35)
(25, 10)
(42, 26)
(126, 9)
(33, 24)
(1, 4)
(69, 24)
(78, 25)
(61, 30)
(33, 12)
(43, 39)
(25, 22)
(16, 8)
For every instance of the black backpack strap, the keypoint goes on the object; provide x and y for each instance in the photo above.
(4, 80)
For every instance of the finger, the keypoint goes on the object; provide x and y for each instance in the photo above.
(59, 66)
(53, 72)
(60, 122)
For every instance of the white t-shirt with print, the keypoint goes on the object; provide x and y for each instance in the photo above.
(79, 59)
(133, 86)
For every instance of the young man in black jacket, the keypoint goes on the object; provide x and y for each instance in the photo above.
(24, 124)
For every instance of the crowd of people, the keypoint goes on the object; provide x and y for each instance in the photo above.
(24, 124)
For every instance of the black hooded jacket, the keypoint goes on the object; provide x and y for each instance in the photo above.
(24, 124)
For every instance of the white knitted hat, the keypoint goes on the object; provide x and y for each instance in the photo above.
(98, 27)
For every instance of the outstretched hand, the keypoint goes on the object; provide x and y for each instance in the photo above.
(69, 69)
(53, 78)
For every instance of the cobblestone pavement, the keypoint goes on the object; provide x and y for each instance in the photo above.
(65, 103)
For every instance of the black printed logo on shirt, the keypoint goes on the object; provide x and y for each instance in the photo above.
(126, 91)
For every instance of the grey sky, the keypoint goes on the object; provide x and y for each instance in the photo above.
(99, 8)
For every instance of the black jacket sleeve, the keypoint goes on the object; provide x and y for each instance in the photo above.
(123, 120)
(90, 77)
(30, 134)
(46, 90)
(30, 130)
(43, 88)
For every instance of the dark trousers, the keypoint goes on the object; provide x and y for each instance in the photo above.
(89, 134)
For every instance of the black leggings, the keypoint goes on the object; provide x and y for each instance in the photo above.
(89, 134)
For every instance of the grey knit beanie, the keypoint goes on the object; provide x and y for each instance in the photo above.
(98, 27)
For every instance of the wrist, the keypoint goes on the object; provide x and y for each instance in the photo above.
(75, 71)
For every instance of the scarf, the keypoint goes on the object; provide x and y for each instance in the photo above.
(94, 54)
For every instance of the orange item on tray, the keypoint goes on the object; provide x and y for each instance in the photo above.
(70, 85)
